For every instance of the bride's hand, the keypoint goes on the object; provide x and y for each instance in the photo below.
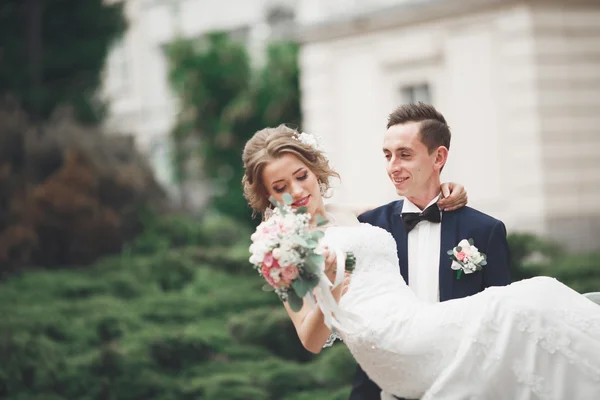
(454, 196)
(330, 264)
(346, 283)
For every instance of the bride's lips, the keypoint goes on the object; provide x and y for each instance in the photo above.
(301, 202)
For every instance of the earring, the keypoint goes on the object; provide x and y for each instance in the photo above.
(323, 188)
(267, 213)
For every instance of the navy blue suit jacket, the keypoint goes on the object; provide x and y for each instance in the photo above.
(489, 235)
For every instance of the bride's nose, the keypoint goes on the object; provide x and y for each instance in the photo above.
(296, 190)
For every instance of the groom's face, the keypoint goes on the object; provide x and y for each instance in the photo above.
(409, 164)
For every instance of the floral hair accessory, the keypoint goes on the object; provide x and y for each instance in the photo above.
(311, 140)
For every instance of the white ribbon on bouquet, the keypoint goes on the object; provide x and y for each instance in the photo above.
(321, 296)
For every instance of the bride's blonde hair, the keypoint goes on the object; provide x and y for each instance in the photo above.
(270, 144)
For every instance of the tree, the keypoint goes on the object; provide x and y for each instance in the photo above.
(223, 103)
(52, 53)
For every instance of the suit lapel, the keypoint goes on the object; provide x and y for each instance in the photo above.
(448, 241)
(401, 239)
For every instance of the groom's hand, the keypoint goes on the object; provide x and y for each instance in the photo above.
(454, 196)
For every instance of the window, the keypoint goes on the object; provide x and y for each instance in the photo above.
(416, 93)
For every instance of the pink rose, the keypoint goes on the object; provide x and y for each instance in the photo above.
(460, 255)
(266, 272)
(268, 259)
(468, 251)
(285, 227)
(289, 273)
(270, 230)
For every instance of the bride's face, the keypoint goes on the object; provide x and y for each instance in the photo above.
(288, 174)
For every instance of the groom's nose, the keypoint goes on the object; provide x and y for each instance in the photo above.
(395, 164)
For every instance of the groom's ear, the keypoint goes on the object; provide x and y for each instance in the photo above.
(441, 156)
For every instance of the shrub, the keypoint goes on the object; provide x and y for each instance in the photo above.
(225, 386)
(335, 366)
(272, 329)
(281, 378)
(28, 362)
(179, 351)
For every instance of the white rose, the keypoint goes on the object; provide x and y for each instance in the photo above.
(470, 268)
(476, 257)
(254, 259)
(274, 273)
(464, 243)
(276, 253)
(455, 266)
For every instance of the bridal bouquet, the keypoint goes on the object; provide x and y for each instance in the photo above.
(289, 255)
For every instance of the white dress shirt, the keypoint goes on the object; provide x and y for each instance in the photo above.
(424, 242)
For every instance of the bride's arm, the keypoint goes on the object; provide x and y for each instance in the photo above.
(454, 196)
(310, 322)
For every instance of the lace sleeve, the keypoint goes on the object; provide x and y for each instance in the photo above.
(332, 338)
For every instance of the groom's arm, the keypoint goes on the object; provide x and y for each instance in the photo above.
(497, 270)
(363, 388)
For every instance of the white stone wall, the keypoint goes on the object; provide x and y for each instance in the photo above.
(567, 54)
(491, 74)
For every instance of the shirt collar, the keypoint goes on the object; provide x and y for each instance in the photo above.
(409, 206)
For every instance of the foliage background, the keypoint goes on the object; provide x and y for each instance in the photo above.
(53, 52)
(224, 101)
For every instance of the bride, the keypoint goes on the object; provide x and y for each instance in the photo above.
(533, 339)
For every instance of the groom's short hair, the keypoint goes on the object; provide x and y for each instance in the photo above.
(434, 130)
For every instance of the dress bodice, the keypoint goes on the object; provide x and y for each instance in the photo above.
(373, 247)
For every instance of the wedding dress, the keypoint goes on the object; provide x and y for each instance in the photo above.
(533, 339)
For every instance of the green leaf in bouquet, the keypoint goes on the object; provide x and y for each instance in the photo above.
(287, 198)
(317, 235)
(458, 249)
(471, 242)
(300, 287)
(267, 288)
(310, 267)
(302, 210)
(321, 221)
(311, 243)
(274, 201)
(316, 259)
(312, 280)
(483, 263)
(294, 301)
(300, 241)
(450, 252)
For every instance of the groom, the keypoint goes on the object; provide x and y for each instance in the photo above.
(416, 147)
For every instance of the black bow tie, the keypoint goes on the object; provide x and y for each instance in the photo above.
(431, 214)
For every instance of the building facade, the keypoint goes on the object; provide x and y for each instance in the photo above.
(518, 82)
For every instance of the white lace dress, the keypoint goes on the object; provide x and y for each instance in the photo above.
(534, 339)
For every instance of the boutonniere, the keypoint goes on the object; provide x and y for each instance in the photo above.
(466, 258)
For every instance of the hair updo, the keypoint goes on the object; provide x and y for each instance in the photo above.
(268, 145)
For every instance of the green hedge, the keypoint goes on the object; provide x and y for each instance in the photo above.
(184, 322)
